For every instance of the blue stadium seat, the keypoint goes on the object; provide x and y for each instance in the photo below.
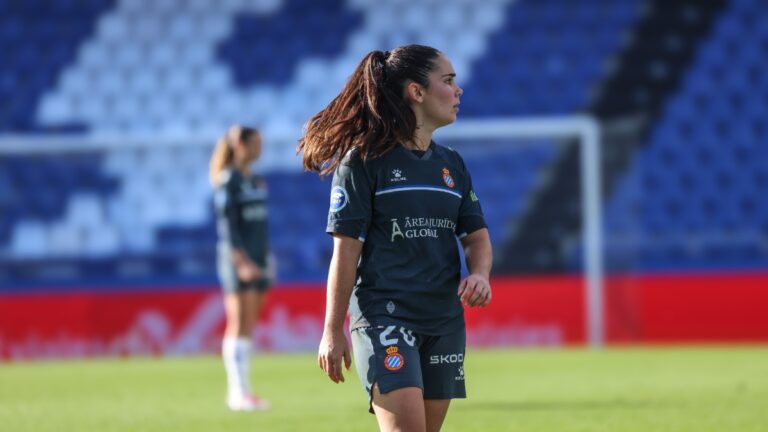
(565, 66)
(704, 162)
(42, 38)
(709, 146)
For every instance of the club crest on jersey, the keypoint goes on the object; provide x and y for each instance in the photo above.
(394, 360)
(338, 198)
(447, 179)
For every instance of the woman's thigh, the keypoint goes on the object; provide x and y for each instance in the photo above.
(399, 410)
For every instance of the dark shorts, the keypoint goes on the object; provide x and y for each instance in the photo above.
(394, 357)
(228, 279)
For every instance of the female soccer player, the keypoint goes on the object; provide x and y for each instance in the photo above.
(398, 203)
(240, 200)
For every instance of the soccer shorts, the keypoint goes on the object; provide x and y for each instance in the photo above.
(228, 279)
(394, 357)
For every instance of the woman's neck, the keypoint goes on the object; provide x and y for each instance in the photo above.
(421, 139)
(242, 167)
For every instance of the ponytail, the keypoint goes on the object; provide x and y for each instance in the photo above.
(371, 112)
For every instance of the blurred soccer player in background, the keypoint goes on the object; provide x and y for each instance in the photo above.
(398, 203)
(243, 254)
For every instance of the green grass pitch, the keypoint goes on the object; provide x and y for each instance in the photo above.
(625, 389)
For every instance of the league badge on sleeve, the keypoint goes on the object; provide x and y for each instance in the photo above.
(394, 361)
(447, 179)
(338, 198)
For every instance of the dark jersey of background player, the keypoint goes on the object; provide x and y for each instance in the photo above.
(242, 214)
(407, 208)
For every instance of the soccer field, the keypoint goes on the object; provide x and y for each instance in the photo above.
(633, 389)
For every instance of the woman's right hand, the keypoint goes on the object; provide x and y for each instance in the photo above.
(247, 271)
(333, 348)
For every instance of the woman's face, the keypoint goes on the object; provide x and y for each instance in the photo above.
(441, 98)
(250, 149)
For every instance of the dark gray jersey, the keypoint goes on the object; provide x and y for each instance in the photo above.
(241, 214)
(408, 210)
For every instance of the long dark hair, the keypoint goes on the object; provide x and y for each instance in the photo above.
(371, 112)
(223, 152)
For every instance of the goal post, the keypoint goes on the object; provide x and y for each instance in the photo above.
(587, 131)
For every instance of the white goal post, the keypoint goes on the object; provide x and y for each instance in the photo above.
(587, 130)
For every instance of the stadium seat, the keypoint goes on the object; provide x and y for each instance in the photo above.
(701, 162)
(170, 69)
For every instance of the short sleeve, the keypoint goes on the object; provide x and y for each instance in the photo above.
(471, 216)
(349, 213)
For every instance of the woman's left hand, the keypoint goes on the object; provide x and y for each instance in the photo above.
(475, 290)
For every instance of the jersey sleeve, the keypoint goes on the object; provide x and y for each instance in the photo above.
(351, 199)
(471, 216)
(227, 207)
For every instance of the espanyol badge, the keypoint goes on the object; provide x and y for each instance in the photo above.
(394, 360)
(447, 179)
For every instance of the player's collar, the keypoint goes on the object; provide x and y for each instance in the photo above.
(426, 156)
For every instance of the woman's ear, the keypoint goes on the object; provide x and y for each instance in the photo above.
(414, 92)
